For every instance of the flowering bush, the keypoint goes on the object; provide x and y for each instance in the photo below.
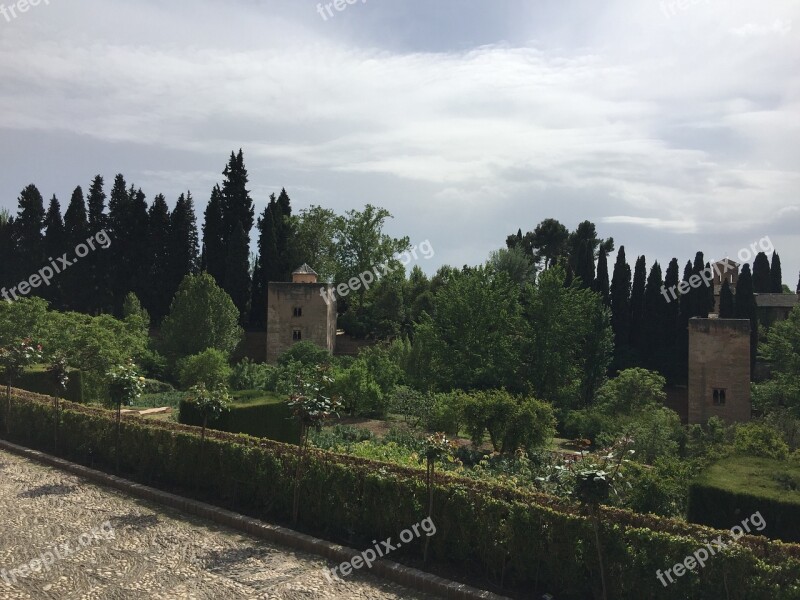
(124, 384)
(18, 355)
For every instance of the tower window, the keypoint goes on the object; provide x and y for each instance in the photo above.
(719, 397)
(298, 311)
(297, 335)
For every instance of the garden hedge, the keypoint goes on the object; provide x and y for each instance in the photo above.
(269, 419)
(724, 502)
(506, 538)
(38, 380)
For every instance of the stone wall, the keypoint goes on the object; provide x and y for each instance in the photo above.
(317, 323)
(719, 359)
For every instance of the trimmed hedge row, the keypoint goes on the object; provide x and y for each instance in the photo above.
(38, 381)
(717, 507)
(269, 420)
(508, 537)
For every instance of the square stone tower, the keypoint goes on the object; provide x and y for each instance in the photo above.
(719, 370)
(300, 310)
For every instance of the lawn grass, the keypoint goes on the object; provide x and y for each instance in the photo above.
(762, 477)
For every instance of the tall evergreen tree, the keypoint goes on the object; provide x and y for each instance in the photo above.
(28, 236)
(54, 245)
(671, 323)
(654, 324)
(284, 231)
(77, 280)
(214, 240)
(7, 254)
(182, 257)
(237, 272)
(158, 298)
(727, 306)
(621, 308)
(601, 283)
(762, 280)
(687, 311)
(237, 205)
(638, 339)
(775, 274)
(267, 267)
(746, 309)
(703, 295)
(99, 265)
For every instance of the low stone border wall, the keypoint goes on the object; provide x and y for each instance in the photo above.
(392, 571)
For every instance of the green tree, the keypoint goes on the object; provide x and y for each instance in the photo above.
(28, 226)
(76, 282)
(776, 275)
(182, 257)
(762, 279)
(514, 263)
(746, 309)
(549, 242)
(210, 403)
(316, 231)
(99, 265)
(237, 271)
(602, 282)
(214, 238)
(202, 316)
(210, 368)
(472, 339)
(158, 295)
(14, 358)
(621, 307)
(632, 390)
(54, 245)
(727, 306)
(125, 386)
(637, 320)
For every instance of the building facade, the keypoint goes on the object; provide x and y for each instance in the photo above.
(719, 370)
(300, 310)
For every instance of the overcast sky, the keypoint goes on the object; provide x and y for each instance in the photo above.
(673, 129)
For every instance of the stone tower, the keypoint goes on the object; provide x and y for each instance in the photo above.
(300, 310)
(719, 370)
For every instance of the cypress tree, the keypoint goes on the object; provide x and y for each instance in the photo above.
(727, 306)
(119, 226)
(158, 298)
(28, 237)
(237, 205)
(620, 307)
(687, 311)
(7, 255)
(638, 340)
(746, 308)
(601, 283)
(237, 272)
(776, 277)
(214, 246)
(703, 295)
(267, 264)
(99, 264)
(671, 322)
(762, 280)
(182, 257)
(77, 280)
(54, 245)
(284, 231)
(655, 315)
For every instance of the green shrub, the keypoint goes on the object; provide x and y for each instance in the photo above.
(512, 422)
(360, 393)
(737, 487)
(210, 367)
(259, 416)
(759, 440)
(249, 375)
(524, 541)
(36, 379)
(446, 412)
(305, 353)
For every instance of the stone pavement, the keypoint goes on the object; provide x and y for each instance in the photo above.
(101, 544)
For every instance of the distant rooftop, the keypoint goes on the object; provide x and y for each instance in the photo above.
(777, 300)
(304, 269)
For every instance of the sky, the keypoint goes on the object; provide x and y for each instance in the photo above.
(672, 125)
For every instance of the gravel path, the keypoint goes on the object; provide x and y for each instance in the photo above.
(100, 544)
